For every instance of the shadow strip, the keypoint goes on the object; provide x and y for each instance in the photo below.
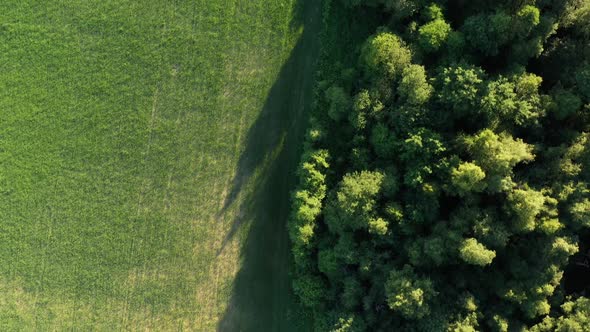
(262, 299)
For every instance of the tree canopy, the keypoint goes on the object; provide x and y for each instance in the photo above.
(445, 179)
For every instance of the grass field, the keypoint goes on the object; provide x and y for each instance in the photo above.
(147, 150)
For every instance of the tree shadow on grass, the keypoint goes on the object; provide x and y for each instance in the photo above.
(265, 134)
(261, 297)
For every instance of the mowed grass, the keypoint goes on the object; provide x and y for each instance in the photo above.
(122, 124)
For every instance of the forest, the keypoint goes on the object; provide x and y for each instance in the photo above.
(445, 179)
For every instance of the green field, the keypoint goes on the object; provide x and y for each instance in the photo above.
(147, 151)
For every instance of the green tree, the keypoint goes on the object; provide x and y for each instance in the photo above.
(476, 253)
(467, 324)
(353, 205)
(420, 152)
(525, 204)
(575, 317)
(485, 227)
(432, 12)
(310, 289)
(339, 102)
(383, 141)
(580, 212)
(515, 101)
(328, 263)
(468, 177)
(576, 159)
(562, 248)
(378, 226)
(414, 88)
(364, 102)
(487, 33)
(408, 294)
(401, 9)
(437, 249)
(459, 89)
(577, 18)
(528, 17)
(500, 101)
(529, 100)
(385, 55)
(567, 104)
(351, 323)
(433, 35)
(497, 154)
(351, 293)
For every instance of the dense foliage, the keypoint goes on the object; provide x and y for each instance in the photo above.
(445, 182)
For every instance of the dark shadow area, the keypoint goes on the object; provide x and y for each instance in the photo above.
(261, 297)
(577, 273)
(267, 131)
